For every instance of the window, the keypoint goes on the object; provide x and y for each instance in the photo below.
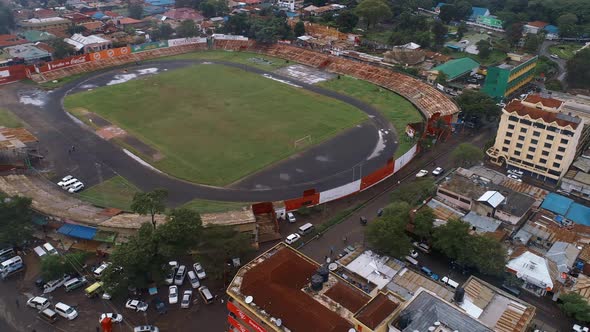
(547, 145)
(538, 125)
(521, 138)
(556, 173)
(553, 129)
(534, 141)
(567, 133)
(517, 153)
(544, 169)
(526, 122)
(510, 126)
(508, 134)
(529, 156)
(536, 133)
(545, 153)
(531, 149)
(564, 141)
(505, 149)
(528, 164)
(519, 145)
(507, 141)
(561, 149)
(556, 165)
(550, 137)
(543, 161)
(513, 118)
(559, 157)
(523, 130)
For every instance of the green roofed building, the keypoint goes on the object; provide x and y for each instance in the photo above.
(457, 68)
(504, 79)
(36, 36)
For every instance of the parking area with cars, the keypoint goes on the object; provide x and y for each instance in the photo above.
(78, 303)
(71, 184)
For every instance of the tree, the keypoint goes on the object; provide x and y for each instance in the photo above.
(212, 8)
(424, 222)
(484, 48)
(578, 70)
(575, 306)
(221, 244)
(347, 20)
(396, 210)
(16, 223)
(511, 280)
(447, 13)
(52, 267)
(150, 203)
(414, 192)
(387, 235)
(61, 49)
(440, 31)
(467, 154)
(373, 11)
(553, 85)
(461, 30)
(567, 25)
(475, 103)
(299, 29)
(135, 11)
(165, 31)
(532, 43)
(441, 78)
(514, 33)
(451, 239)
(486, 254)
(180, 233)
(238, 24)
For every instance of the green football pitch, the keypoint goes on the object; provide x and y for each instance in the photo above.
(214, 124)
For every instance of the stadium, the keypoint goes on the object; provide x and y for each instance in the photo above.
(273, 129)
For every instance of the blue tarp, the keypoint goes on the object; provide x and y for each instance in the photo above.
(551, 29)
(557, 204)
(78, 231)
(478, 11)
(98, 16)
(579, 214)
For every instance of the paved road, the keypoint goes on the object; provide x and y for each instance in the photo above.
(326, 166)
(561, 63)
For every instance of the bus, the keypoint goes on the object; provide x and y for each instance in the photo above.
(6, 253)
(11, 266)
(94, 289)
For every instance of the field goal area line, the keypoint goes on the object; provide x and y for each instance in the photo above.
(303, 141)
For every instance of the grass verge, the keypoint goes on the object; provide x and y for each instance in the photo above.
(206, 206)
(115, 192)
(247, 58)
(394, 107)
(564, 51)
(8, 119)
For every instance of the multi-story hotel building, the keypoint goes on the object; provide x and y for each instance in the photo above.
(503, 80)
(537, 137)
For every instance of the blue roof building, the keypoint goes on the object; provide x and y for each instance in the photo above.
(566, 207)
(478, 11)
(98, 15)
(551, 29)
(161, 2)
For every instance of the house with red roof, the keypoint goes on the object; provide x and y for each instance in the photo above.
(534, 27)
(11, 40)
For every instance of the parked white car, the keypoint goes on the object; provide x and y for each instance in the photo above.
(136, 305)
(192, 278)
(115, 318)
(292, 238)
(173, 294)
(172, 266)
(438, 171)
(66, 311)
(146, 328)
(76, 187)
(422, 173)
(514, 177)
(39, 303)
(186, 299)
(414, 253)
(199, 271)
(291, 217)
(180, 274)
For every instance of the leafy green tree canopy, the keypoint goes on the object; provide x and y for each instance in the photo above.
(478, 103)
(414, 192)
(187, 28)
(16, 223)
(150, 203)
(424, 222)
(575, 306)
(373, 11)
(135, 11)
(578, 69)
(299, 29)
(467, 154)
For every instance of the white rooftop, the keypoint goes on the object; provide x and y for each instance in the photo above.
(532, 268)
(373, 268)
(470, 308)
(79, 41)
(491, 197)
(45, 20)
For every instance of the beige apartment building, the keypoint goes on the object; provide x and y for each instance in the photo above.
(537, 137)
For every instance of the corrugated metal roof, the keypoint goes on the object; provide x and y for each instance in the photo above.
(78, 231)
(494, 198)
(457, 67)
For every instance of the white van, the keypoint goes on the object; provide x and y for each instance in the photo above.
(66, 311)
(40, 251)
(306, 229)
(50, 249)
(69, 183)
(99, 270)
(450, 282)
(75, 283)
(411, 260)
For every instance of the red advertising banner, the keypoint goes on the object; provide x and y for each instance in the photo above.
(233, 322)
(63, 63)
(296, 203)
(377, 176)
(110, 53)
(245, 318)
(12, 73)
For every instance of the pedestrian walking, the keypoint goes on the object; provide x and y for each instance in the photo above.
(17, 303)
(73, 148)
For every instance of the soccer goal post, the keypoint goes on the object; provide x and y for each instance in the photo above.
(302, 142)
